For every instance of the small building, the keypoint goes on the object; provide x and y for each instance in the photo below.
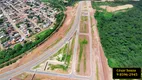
(2, 34)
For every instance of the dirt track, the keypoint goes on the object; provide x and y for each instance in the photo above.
(105, 72)
(28, 76)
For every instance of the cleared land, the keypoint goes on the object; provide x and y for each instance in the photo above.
(83, 51)
(100, 61)
(84, 19)
(83, 60)
(28, 76)
(117, 8)
(84, 24)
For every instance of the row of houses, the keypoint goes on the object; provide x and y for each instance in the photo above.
(8, 35)
(20, 19)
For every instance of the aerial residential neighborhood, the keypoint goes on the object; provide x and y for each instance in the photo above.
(20, 19)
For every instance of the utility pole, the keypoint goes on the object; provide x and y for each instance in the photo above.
(34, 75)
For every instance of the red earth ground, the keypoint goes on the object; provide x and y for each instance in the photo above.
(82, 24)
(28, 76)
(85, 54)
(86, 50)
(103, 68)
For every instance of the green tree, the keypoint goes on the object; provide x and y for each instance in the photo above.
(18, 47)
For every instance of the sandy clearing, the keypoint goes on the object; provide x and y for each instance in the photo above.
(40, 49)
(117, 8)
(28, 76)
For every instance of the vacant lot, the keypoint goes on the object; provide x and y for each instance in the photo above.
(28, 76)
(84, 24)
(84, 20)
(83, 54)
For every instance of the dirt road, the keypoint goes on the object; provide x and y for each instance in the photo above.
(104, 71)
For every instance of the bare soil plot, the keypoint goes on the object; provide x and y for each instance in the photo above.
(84, 24)
(28, 76)
(84, 20)
(40, 49)
(83, 56)
(117, 8)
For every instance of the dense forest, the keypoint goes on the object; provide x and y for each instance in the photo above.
(121, 34)
(62, 3)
